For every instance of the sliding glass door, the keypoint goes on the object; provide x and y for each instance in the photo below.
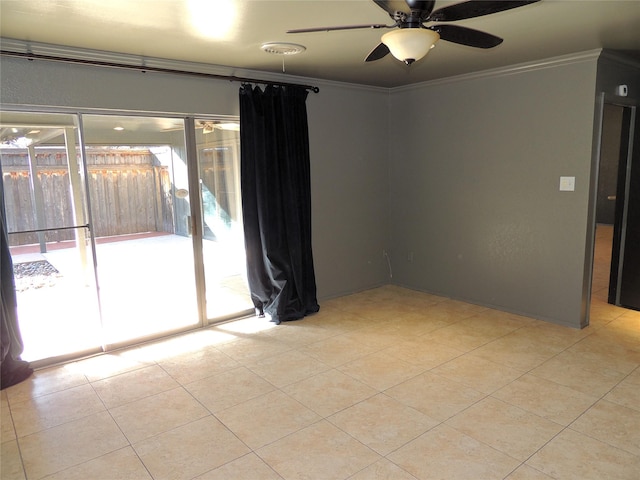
(50, 236)
(138, 177)
(218, 150)
(121, 230)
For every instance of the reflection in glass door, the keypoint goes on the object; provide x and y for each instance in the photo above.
(49, 234)
(141, 211)
(218, 146)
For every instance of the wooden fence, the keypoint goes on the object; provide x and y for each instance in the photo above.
(129, 193)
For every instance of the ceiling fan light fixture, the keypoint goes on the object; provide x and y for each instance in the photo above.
(410, 44)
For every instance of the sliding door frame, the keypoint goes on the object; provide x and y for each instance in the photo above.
(197, 228)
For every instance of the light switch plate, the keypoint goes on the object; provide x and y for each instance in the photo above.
(567, 184)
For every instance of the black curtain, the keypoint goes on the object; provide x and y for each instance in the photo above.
(13, 369)
(276, 201)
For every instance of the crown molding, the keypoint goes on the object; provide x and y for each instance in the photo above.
(552, 62)
(61, 51)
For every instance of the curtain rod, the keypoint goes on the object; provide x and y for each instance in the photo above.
(144, 69)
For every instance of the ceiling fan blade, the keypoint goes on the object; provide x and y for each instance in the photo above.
(343, 27)
(466, 36)
(390, 6)
(475, 8)
(377, 53)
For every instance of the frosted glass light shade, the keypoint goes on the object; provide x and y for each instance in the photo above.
(410, 44)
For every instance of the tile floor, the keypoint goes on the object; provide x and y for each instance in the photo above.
(383, 384)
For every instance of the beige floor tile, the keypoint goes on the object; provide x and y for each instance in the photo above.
(605, 352)
(338, 350)
(415, 324)
(319, 451)
(624, 330)
(435, 396)
(376, 336)
(382, 423)
(336, 320)
(106, 365)
(246, 327)
(463, 336)
(45, 381)
(227, 389)
(604, 312)
(461, 308)
(381, 311)
(383, 470)
(414, 298)
(546, 399)
(158, 413)
(627, 392)
(631, 318)
(511, 320)
(445, 453)
(496, 324)
(267, 418)
(194, 366)
(249, 466)
(190, 450)
(504, 427)
(525, 472)
(574, 371)
(349, 303)
(70, 444)
(381, 370)
(168, 348)
(287, 368)
(555, 335)
(251, 349)
(508, 393)
(299, 333)
(54, 409)
(447, 312)
(613, 424)
(573, 456)
(11, 464)
(518, 350)
(329, 392)
(131, 386)
(423, 353)
(121, 464)
(477, 373)
(7, 432)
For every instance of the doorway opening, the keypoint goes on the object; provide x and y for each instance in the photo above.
(616, 271)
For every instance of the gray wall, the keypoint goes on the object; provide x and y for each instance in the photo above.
(348, 141)
(348, 136)
(457, 180)
(476, 211)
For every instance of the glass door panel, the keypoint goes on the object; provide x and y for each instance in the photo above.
(140, 204)
(43, 187)
(218, 146)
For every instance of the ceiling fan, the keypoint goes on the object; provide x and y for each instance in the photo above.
(411, 39)
(209, 126)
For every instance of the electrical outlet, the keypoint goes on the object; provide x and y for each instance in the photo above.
(410, 257)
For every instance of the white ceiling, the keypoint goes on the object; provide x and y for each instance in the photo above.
(194, 31)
